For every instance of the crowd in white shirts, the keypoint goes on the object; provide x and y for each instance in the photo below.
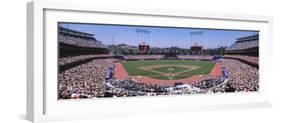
(242, 77)
(251, 59)
(88, 81)
(71, 59)
(85, 80)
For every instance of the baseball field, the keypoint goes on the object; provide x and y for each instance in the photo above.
(168, 69)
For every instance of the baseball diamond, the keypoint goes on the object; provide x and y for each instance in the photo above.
(168, 69)
(157, 71)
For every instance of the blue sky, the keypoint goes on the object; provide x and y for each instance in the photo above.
(160, 37)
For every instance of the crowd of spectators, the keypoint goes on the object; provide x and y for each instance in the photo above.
(241, 76)
(130, 87)
(251, 59)
(84, 81)
(208, 82)
(88, 81)
(71, 59)
(206, 85)
(80, 41)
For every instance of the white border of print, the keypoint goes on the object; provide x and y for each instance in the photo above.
(42, 103)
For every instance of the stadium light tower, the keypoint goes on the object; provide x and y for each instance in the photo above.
(220, 46)
(143, 36)
(196, 48)
(197, 35)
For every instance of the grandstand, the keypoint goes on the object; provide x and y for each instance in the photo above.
(84, 63)
(242, 62)
(73, 42)
(245, 49)
(248, 45)
(77, 47)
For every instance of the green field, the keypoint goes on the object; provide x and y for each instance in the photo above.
(134, 68)
(167, 69)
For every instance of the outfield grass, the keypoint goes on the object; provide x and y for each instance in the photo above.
(132, 67)
(167, 69)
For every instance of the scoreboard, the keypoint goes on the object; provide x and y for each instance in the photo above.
(144, 48)
(196, 48)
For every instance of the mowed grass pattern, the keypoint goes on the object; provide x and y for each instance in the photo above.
(132, 67)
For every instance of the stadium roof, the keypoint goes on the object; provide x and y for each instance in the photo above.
(248, 38)
(78, 32)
